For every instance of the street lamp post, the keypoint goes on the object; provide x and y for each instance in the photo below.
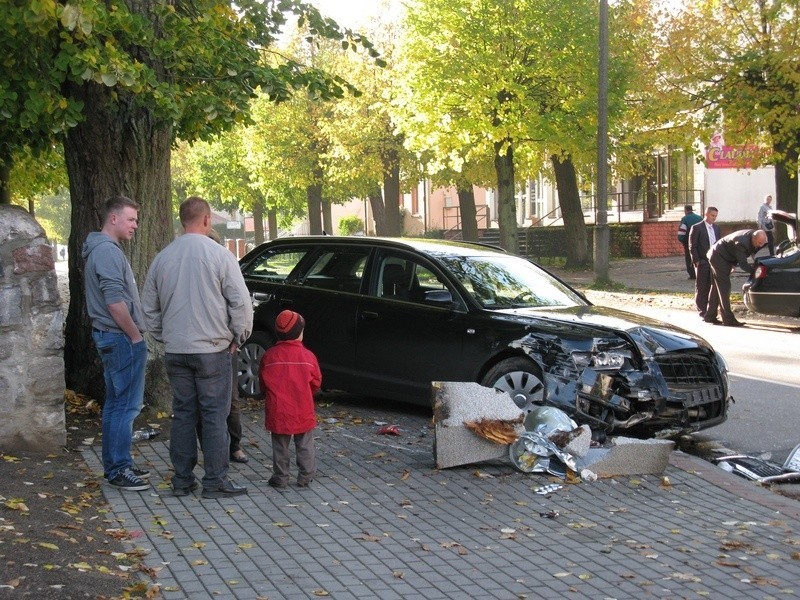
(602, 233)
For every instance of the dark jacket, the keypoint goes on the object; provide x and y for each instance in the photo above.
(698, 240)
(735, 248)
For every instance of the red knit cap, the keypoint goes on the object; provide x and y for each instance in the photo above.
(289, 325)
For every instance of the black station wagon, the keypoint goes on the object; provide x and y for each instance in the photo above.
(774, 288)
(386, 317)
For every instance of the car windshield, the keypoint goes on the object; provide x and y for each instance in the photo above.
(510, 282)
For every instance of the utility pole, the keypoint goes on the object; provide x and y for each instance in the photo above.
(602, 234)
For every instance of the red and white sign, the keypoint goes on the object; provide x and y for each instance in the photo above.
(734, 157)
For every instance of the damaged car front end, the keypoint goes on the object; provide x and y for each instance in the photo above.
(634, 375)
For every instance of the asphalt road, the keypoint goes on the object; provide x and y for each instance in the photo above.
(764, 364)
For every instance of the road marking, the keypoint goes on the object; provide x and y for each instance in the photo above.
(761, 379)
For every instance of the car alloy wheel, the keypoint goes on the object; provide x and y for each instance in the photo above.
(250, 354)
(520, 378)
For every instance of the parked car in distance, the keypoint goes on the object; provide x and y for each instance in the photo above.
(386, 317)
(774, 288)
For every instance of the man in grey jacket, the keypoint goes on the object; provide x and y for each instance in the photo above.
(196, 302)
(727, 252)
(112, 301)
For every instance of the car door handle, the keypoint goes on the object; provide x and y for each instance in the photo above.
(368, 315)
(260, 297)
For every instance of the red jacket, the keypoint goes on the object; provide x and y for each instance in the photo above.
(289, 375)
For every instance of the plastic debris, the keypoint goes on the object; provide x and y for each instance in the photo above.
(389, 430)
(547, 489)
(144, 434)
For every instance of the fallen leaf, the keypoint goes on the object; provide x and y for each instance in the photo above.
(48, 545)
(320, 593)
(17, 504)
(406, 475)
(281, 524)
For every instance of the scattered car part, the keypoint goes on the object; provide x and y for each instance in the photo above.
(761, 470)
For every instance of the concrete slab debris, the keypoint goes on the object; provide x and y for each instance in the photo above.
(628, 456)
(457, 403)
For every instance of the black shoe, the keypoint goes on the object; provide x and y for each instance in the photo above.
(127, 481)
(277, 484)
(713, 321)
(733, 323)
(185, 491)
(227, 489)
(140, 473)
(692, 277)
(239, 457)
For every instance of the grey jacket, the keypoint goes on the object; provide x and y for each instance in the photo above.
(108, 279)
(195, 299)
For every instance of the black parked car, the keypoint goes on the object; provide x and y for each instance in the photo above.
(385, 317)
(774, 288)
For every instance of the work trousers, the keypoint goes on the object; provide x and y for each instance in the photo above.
(201, 392)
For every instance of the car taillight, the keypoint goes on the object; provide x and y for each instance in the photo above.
(761, 272)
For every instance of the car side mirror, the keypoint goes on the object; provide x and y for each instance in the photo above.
(439, 297)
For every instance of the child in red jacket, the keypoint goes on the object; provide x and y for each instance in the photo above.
(289, 375)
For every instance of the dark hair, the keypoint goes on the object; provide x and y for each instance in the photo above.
(193, 209)
(688, 208)
(116, 204)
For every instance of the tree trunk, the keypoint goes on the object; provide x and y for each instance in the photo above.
(258, 219)
(314, 199)
(391, 192)
(327, 218)
(466, 206)
(506, 203)
(574, 225)
(272, 223)
(117, 149)
(378, 212)
(5, 176)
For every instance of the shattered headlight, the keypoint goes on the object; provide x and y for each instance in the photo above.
(607, 354)
(602, 361)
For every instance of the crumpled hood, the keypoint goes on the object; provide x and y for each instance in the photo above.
(94, 239)
(650, 335)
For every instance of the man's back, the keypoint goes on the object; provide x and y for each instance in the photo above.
(195, 297)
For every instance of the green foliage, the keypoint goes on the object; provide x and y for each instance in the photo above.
(351, 225)
(53, 214)
(195, 64)
(737, 64)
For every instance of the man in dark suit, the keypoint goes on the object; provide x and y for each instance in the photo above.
(734, 249)
(702, 236)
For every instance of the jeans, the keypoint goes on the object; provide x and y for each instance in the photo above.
(123, 371)
(201, 390)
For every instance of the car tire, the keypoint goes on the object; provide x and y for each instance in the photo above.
(249, 358)
(519, 377)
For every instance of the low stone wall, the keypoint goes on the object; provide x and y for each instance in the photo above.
(31, 338)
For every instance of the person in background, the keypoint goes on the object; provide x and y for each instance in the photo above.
(702, 236)
(764, 221)
(289, 375)
(234, 420)
(733, 249)
(689, 218)
(114, 307)
(196, 302)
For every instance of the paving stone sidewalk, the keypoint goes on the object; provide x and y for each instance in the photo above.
(381, 521)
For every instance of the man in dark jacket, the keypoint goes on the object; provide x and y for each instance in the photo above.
(734, 249)
(689, 218)
(702, 236)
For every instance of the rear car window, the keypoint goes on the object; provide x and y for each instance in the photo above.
(339, 269)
